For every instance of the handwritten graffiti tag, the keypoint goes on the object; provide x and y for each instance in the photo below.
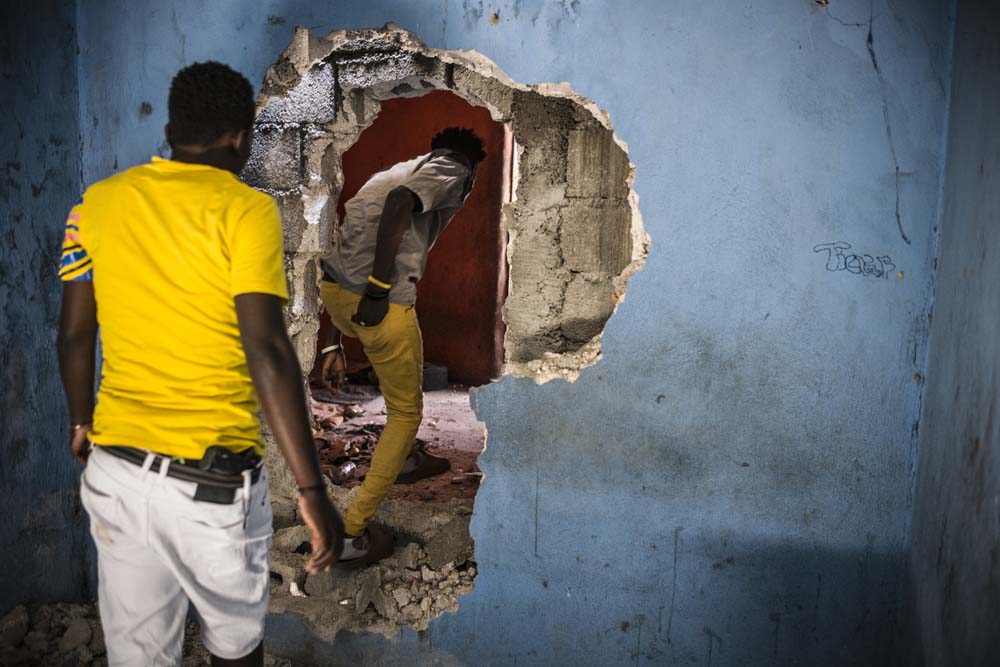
(862, 265)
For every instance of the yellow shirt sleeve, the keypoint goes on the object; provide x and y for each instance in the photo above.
(255, 248)
(75, 264)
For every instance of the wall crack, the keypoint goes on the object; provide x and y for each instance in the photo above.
(870, 44)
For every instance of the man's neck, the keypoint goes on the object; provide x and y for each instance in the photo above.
(220, 158)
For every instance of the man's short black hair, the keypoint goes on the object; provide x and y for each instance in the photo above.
(206, 101)
(460, 139)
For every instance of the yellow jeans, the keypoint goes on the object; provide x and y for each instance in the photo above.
(396, 352)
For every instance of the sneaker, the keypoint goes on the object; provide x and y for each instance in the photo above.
(427, 466)
(375, 544)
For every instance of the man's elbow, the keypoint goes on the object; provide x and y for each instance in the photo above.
(267, 350)
(73, 340)
(402, 199)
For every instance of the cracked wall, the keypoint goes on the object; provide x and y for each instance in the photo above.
(575, 232)
(749, 430)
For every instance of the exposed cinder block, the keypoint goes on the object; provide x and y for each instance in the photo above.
(481, 90)
(370, 70)
(302, 311)
(587, 306)
(275, 162)
(596, 238)
(311, 100)
(389, 38)
(596, 166)
(293, 223)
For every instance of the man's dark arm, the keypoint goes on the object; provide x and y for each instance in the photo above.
(277, 377)
(77, 343)
(396, 216)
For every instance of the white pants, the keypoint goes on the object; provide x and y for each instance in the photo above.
(158, 549)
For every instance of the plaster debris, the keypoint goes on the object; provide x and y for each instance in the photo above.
(64, 635)
(410, 588)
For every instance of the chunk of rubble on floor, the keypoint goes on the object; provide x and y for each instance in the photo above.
(432, 566)
(70, 635)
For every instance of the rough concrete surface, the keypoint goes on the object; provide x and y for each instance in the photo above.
(956, 514)
(67, 635)
(42, 521)
(432, 566)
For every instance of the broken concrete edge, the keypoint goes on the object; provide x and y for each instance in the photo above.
(432, 567)
(323, 175)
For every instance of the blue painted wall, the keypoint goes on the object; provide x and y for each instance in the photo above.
(43, 537)
(956, 532)
(732, 483)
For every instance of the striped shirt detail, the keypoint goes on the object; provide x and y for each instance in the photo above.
(75, 265)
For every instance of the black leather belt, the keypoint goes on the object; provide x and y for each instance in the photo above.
(218, 475)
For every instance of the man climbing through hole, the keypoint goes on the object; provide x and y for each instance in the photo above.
(369, 290)
(182, 267)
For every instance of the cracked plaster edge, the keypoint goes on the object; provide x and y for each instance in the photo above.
(306, 50)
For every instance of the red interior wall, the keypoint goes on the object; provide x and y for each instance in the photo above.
(459, 298)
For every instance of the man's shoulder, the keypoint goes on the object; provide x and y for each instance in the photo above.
(110, 184)
(444, 163)
(246, 197)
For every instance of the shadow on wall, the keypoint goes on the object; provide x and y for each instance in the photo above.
(756, 597)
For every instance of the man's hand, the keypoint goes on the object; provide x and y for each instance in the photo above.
(371, 310)
(77, 342)
(326, 530)
(79, 444)
(334, 370)
(278, 378)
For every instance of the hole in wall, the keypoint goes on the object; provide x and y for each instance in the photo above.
(563, 235)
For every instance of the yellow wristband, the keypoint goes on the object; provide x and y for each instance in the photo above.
(378, 283)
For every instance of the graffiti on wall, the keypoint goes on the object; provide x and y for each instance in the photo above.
(838, 259)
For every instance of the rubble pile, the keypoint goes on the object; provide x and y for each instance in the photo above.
(345, 441)
(59, 634)
(70, 635)
(432, 566)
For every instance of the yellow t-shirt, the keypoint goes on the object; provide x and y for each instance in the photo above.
(168, 245)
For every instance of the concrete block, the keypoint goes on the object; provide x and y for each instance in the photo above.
(291, 539)
(451, 544)
(311, 100)
(389, 38)
(283, 510)
(293, 222)
(587, 306)
(276, 159)
(482, 90)
(291, 567)
(596, 166)
(596, 238)
(14, 626)
(337, 584)
(369, 70)
(302, 311)
(370, 593)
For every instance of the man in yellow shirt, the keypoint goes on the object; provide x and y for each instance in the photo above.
(181, 266)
